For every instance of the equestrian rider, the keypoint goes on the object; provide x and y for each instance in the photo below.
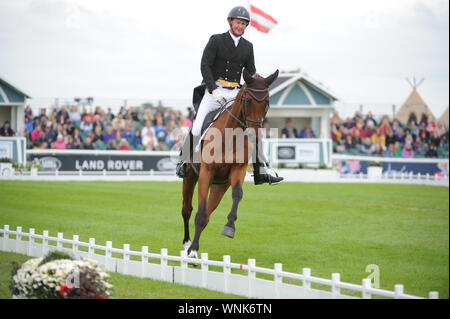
(223, 60)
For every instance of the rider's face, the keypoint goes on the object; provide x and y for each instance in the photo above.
(237, 26)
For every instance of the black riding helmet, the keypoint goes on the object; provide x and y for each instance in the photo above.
(239, 13)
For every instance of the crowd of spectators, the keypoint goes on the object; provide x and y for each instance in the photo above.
(129, 129)
(363, 135)
(164, 129)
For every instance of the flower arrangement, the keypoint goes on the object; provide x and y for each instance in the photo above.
(58, 276)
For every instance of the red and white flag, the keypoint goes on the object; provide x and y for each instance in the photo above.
(261, 20)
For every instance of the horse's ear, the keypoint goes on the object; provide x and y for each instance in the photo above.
(269, 80)
(247, 77)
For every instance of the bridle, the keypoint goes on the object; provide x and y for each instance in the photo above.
(257, 94)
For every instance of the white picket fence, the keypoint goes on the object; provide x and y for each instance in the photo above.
(227, 282)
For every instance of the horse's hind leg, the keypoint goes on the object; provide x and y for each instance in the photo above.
(189, 183)
(201, 218)
(236, 179)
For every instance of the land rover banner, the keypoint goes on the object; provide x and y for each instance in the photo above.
(103, 160)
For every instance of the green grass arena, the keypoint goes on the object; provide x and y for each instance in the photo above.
(342, 228)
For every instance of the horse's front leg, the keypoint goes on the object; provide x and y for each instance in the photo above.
(237, 179)
(201, 218)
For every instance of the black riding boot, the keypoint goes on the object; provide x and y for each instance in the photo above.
(185, 155)
(261, 178)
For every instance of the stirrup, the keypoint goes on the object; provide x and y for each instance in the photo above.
(181, 169)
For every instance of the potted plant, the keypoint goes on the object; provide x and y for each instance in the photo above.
(6, 167)
(374, 170)
(59, 276)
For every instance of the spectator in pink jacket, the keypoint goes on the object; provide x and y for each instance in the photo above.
(59, 144)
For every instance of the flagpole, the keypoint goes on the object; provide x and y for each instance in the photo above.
(248, 27)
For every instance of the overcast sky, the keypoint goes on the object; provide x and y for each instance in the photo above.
(362, 50)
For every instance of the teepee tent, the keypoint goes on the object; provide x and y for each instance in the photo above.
(414, 103)
(444, 118)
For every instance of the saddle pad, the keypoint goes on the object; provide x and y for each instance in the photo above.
(209, 120)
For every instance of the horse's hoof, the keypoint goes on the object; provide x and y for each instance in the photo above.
(186, 245)
(193, 254)
(228, 231)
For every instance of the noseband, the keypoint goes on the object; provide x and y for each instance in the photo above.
(257, 94)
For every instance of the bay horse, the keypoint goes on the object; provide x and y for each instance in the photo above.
(215, 177)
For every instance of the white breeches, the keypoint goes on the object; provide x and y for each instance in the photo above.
(209, 104)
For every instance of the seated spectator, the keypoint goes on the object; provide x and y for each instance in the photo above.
(36, 132)
(334, 133)
(97, 135)
(307, 132)
(408, 152)
(340, 148)
(435, 139)
(396, 125)
(72, 144)
(412, 118)
(62, 115)
(87, 124)
(424, 136)
(348, 124)
(378, 137)
(136, 139)
(29, 112)
(88, 145)
(109, 135)
(370, 118)
(97, 122)
(89, 117)
(149, 140)
(370, 130)
(336, 119)
(148, 126)
(128, 133)
(367, 148)
(385, 125)
(59, 143)
(29, 124)
(390, 138)
(415, 131)
(42, 115)
(398, 149)
(378, 150)
(419, 145)
(431, 152)
(147, 117)
(123, 146)
(118, 123)
(6, 130)
(161, 146)
(423, 123)
(390, 151)
(111, 145)
(109, 116)
(357, 139)
(349, 143)
(129, 122)
(400, 135)
(160, 129)
(170, 135)
(359, 127)
(289, 131)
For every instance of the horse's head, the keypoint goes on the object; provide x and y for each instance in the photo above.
(255, 98)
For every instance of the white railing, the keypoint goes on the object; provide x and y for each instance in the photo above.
(227, 282)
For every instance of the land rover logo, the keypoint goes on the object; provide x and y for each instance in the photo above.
(165, 164)
(286, 152)
(50, 163)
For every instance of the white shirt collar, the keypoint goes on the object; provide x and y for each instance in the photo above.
(235, 38)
